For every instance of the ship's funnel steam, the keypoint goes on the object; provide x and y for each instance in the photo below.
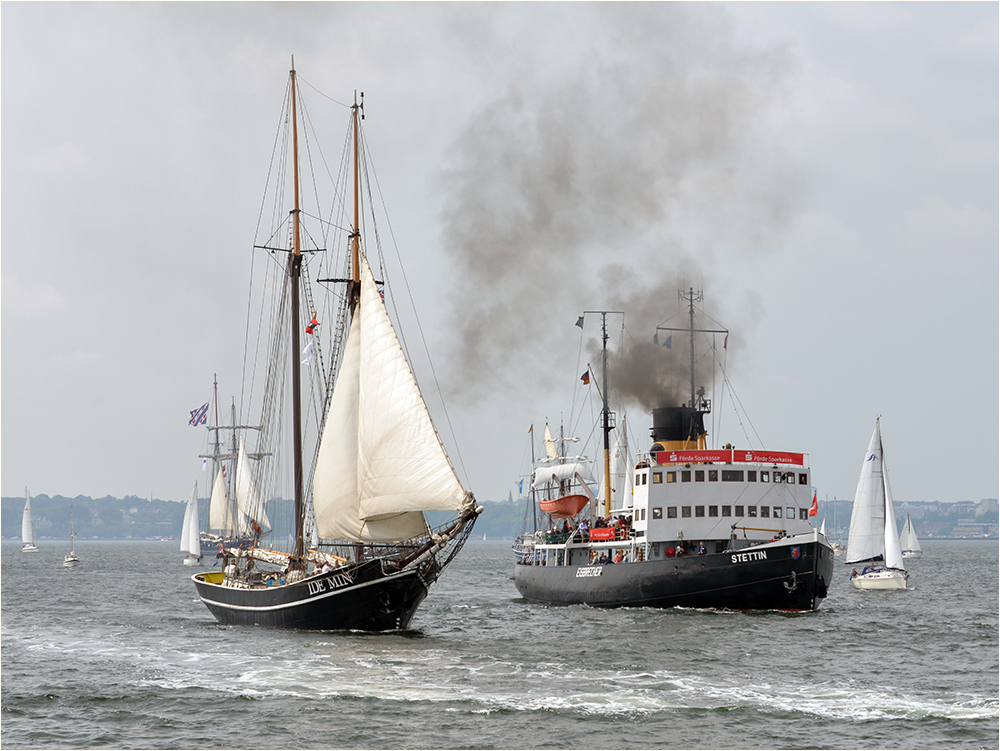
(595, 183)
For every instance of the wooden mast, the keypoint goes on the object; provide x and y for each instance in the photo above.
(294, 271)
(356, 230)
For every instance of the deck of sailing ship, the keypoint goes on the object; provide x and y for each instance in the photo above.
(361, 554)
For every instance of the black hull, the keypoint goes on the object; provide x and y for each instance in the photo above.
(786, 577)
(364, 598)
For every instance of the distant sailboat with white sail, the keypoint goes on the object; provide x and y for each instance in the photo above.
(27, 527)
(908, 541)
(872, 540)
(190, 534)
(71, 558)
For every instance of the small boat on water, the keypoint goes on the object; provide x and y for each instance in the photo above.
(190, 534)
(908, 541)
(702, 528)
(361, 553)
(27, 527)
(872, 541)
(71, 558)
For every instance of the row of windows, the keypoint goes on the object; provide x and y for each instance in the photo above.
(728, 475)
(766, 512)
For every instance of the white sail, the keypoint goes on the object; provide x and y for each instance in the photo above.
(866, 539)
(190, 534)
(380, 462)
(893, 553)
(550, 444)
(27, 527)
(220, 511)
(247, 496)
(908, 537)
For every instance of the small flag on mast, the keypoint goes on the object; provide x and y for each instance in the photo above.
(312, 324)
(585, 378)
(579, 322)
(198, 415)
(814, 509)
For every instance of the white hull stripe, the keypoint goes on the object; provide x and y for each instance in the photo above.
(296, 603)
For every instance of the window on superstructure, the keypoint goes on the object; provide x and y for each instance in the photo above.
(713, 510)
(790, 478)
(685, 475)
(764, 476)
(777, 512)
(804, 514)
(699, 475)
(671, 477)
(657, 513)
(751, 511)
(765, 512)
(657, 478)
(671, 512)
(803, 478)
(637, 476)
(751, 475)
(739, 511)
(789, 512)
(727, 510)
(713, 475)
(686, 512)
(699, 511)
(777, 477)
(732, 475)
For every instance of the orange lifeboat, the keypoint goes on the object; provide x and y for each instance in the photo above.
(566, 507)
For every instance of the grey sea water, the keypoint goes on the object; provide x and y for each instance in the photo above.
(119, 653)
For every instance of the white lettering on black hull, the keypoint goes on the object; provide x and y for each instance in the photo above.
(326, 585)
(589, 571)
(753, 555)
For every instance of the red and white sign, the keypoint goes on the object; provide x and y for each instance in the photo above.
(602, 533)
(735, 456)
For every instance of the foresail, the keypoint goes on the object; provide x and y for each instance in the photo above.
(336, 501)
(893, 553)
(550, 444)
(402, 464)
(866, 539)
(247, 496)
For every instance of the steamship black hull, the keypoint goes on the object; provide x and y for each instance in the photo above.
(367, 597)
(790, 577)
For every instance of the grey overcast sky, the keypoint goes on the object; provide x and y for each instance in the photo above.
(826, 172)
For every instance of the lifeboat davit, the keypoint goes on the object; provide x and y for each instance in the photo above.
(566, 507)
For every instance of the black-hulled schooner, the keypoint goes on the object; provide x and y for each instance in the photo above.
(359, 553)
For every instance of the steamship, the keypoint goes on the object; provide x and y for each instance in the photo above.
(722, 528)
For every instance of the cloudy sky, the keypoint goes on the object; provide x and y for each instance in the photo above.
(826, 173)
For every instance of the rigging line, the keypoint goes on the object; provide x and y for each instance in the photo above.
(282, 117)
(420, 330)
(325, 96)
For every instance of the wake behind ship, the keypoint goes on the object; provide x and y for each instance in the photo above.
(701, 528)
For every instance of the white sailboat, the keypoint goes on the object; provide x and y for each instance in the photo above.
(872, 540)
(27, 527)
(908, 541)
(190, 534)
(71, 558)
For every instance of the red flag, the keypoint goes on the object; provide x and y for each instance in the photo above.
(725, 344)
(814, 509)
(312, 324)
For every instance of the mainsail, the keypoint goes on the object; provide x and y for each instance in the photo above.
(27, 528)
(380, 462)
(220, 513)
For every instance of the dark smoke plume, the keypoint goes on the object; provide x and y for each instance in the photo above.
(603, 188)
